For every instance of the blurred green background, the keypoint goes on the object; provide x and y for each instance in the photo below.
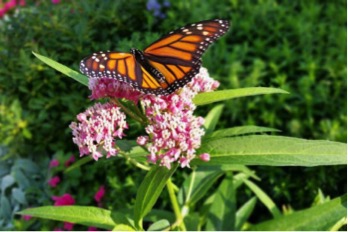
(298, 46)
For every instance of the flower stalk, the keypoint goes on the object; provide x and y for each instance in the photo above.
(174, 201)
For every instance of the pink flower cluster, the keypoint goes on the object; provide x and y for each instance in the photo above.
(109, 87)
(97, 129)
(174, 132)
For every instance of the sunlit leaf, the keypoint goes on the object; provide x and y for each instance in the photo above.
(149, 191)
(84, 215)
(222, 95)
(272, 151)
(221, 215)
(318, 218)
(63, 69)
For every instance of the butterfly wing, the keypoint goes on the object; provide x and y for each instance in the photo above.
(178, 55)
(123, 67)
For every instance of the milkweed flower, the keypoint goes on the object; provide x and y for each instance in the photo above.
(174, 132)
(205, 157)
(110, 87)
(97, 129)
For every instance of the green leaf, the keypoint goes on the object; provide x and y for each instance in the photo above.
(126, 145)
(138, 153)
(238, 179)
(222, 212)
(78, 163)
(63, 69)
(264, 198)
(5, 209)
(318, 218)
(197, 185)
(273, 151)
(159, 225)
(157, 214)
(6, 182)
(84, 215)
(19, 195)
(244, 212)
(149, 191)
(230, 167)
(339, 224)
(222, 95)
(27, 165)
(123, 227)
(240, 130)
(192, 222)
(122, 220)
(212, 118)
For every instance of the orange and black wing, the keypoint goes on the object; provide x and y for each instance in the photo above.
(178, 55)
(123, 67)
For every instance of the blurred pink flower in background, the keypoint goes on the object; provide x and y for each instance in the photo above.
(54, 163)
(10, 5)
(65, 199)
(100, 194)
(70, 161)
(54, 181)
(26, 217)
(55, 1)
(68, 226)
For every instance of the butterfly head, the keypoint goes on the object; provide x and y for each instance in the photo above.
(139, 55)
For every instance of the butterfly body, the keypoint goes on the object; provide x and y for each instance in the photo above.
(141, 59)
(164, 66)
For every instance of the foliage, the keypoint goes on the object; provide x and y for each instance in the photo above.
(23, 184)
(296, 46)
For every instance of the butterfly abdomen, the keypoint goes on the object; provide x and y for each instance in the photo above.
(141, 59)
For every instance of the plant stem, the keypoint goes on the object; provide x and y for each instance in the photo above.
(139, 112)
(179, 219)
(127, 111)
(136, 163)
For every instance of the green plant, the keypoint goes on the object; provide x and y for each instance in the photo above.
(230, 149)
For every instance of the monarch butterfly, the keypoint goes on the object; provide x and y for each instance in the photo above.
(164, 66)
